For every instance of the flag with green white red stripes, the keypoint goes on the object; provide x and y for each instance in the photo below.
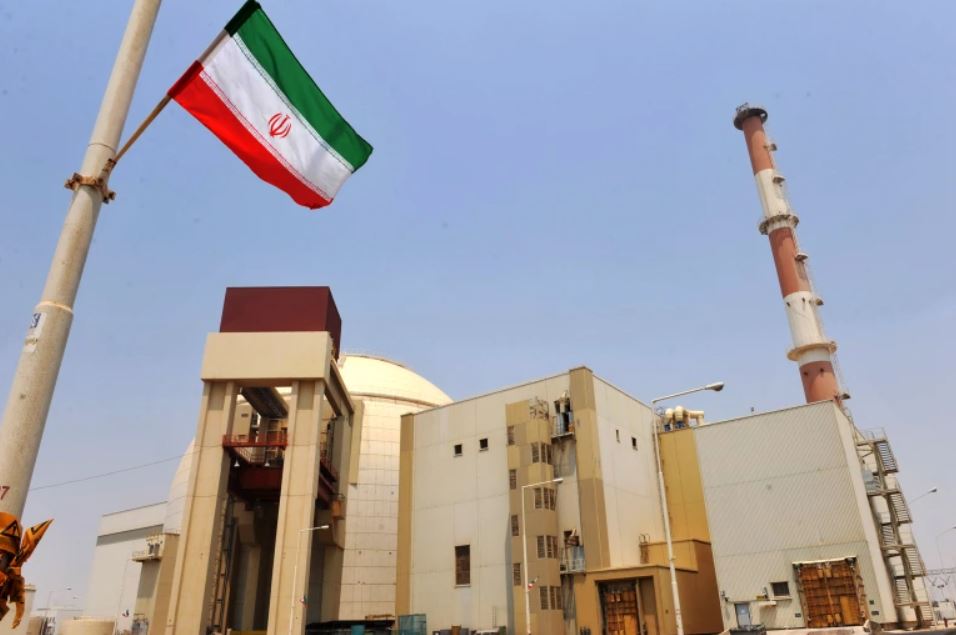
(251, 92)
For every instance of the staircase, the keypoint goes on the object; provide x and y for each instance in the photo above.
(902, 558)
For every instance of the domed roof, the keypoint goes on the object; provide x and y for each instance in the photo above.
(176, 501)
(368, 376)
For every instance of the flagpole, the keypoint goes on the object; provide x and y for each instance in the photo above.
(29, 401)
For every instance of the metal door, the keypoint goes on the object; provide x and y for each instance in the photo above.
(831, 593)
(620, 608)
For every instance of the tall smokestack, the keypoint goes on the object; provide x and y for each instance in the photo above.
(812, 351)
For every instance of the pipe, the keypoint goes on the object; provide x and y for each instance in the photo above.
(812, 350)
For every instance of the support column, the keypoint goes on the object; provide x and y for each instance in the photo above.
(300, 481)
(194, 577)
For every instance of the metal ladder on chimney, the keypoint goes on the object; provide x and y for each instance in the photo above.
(910, 564)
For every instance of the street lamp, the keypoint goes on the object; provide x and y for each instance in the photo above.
(716, 387)
(524, 545)
(931, 490)
(939, 548)
(295, 570)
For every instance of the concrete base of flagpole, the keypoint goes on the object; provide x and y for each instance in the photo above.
(35, 379)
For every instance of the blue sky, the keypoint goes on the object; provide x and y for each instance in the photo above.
(553, 184)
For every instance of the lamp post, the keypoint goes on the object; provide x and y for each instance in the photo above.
(939, 548)
(295, 570)
(716, 387)
(524, 546)
(931, 490)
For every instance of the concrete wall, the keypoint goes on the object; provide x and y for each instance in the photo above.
(371, 539)
(785, 487)
(114, 578)
(464, 501)
(631, 493)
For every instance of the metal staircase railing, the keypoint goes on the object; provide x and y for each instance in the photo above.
(902, 557)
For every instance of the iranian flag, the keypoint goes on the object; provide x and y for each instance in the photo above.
(251, 92)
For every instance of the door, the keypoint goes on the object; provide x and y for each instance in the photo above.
(742, 609)
(831, 593)
(619, 600)
(648, 605)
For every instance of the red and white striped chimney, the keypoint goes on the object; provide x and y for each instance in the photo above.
(812, 351)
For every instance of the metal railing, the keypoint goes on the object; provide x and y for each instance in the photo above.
(572, 560)
(873, 434)
(560, 427)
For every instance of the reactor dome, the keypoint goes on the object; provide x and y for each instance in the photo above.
(176, 501)
(367, 376)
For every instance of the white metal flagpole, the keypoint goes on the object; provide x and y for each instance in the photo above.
(36, 374)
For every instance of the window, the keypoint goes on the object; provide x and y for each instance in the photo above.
(545, 453)
(541, 546)
(617, 435)
(634, 442)
(457, 449)
(556, 598)
(551, 546)
(535, 453)
(545, 498)
(513, 479)
(515, 528)
(482, 445)
(511, 435)
(463, 565)
(780, 589)
(516, 573)
(544, 593)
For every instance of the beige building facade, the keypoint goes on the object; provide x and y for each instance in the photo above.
(801, 535)
(565, 469)
(382, 391)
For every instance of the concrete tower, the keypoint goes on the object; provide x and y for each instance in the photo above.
(812, 350)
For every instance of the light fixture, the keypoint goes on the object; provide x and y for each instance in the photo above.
(236, 464)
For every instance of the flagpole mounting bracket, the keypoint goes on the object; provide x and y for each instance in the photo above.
(99, 182)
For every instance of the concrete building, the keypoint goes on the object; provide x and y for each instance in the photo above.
(382, 391)
(793, 500)
(263, 526)
(125, 581)
(118, 564)
(563, 469)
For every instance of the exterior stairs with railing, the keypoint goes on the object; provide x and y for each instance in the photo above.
(902, 557)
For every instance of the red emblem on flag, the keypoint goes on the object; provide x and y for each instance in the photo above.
(279, 125)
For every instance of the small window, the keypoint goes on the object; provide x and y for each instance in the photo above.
(535, 453)
(457, 449)
(515, 528)
(634, 443)
(513, 479)
(556, 598)
(780, 589)
(542, 549)
(617, 435)
(538, 498)
(511, 435)
(544, 592)
(546, 453)
(516, 573)
(463, 565)
(482, 445)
